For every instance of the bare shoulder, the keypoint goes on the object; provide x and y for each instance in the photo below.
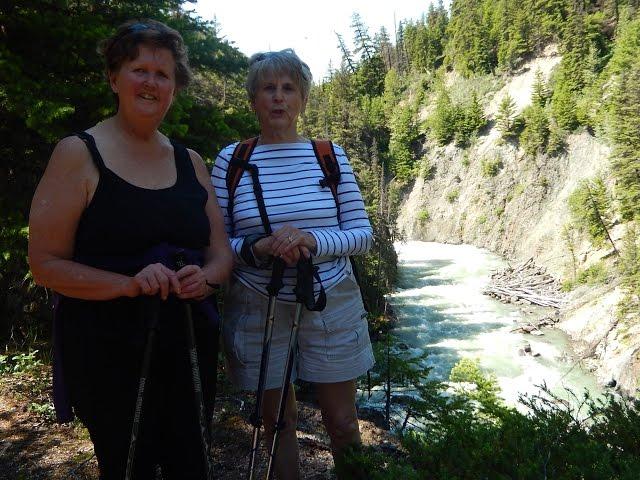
(198, 164)
(70, 156)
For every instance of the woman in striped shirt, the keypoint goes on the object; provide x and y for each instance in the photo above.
(333, 345)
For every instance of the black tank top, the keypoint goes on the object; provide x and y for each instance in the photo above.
(123, 219)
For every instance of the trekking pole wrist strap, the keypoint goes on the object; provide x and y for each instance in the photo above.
(247, 254)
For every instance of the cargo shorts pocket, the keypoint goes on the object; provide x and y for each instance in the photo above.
(237, 315)
(345, 333)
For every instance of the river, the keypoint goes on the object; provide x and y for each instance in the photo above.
(441, 310)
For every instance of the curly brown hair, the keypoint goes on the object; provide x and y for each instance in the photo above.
(123, 45)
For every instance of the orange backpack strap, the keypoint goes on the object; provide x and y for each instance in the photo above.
(326, 156)
(237, 165)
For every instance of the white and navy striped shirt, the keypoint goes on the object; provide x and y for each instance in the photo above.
(290, 177)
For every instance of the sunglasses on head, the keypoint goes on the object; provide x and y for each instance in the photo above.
(137, 27)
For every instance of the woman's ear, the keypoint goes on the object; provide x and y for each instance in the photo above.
(112, 81)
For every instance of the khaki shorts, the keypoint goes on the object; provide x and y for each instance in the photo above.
(333, 345)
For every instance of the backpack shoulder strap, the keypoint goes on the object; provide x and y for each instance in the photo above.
(237, 165)
(330, 166)
(326, 156)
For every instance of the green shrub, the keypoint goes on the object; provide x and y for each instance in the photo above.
(474, 437)
(453, 195)
(423, 216)
(490, 168)
(596, 273)
(593, 275)
(19, 363)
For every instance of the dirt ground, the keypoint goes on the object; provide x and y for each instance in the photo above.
(34, 447)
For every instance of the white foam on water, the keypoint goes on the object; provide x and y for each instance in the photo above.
(442, 309)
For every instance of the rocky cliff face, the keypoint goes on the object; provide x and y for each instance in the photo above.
(521, 212)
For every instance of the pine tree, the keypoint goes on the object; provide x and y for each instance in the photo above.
(346, 54)
(626, 138)
(469, 48)
(443, 120)
(470, 121)
(564, 106)
(591, 208)
(540, 92)
(630, 268)
(505, 117)
(361, 39)
(536, 131)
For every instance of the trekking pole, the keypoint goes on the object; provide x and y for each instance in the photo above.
(274, 286)
(304, 297)
(180, 262)
(146, 363)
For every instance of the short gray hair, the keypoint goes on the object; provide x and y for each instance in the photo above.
(283, 62)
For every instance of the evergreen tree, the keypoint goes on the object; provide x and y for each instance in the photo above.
(591, 208)
(469, 48)
(442, 121)
(540, 92)
(630, 269)
(346, 54)
(425, 40)
(470, 121)
(563, 102)
(361, 39)
(536, 130)
(384, 47)
(626, 139)
(403, 133)
(505, 117)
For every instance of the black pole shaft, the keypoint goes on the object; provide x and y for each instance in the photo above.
(262, 378)
(286, 382)
(197, 388)
(273, 288)
(144, 373)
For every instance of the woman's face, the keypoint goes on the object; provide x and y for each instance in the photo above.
(277, 103)
(146, 85)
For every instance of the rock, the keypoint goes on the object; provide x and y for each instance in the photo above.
(537, 333)
(527, 348)
(537, 354)
(611, 383)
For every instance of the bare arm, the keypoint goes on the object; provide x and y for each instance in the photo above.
(218, 255)
(60, 198)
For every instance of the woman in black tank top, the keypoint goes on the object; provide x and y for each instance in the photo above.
(112, 205)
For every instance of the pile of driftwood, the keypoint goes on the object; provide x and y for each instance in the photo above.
(525, 284)
(534, 328)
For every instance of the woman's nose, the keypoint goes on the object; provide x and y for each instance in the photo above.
(150, 80)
